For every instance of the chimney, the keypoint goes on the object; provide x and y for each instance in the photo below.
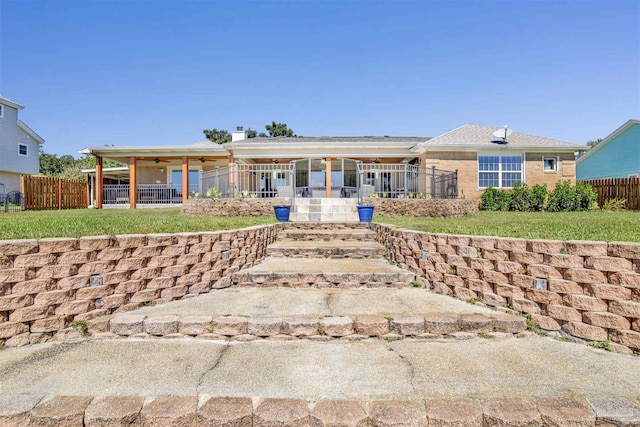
(239, 134)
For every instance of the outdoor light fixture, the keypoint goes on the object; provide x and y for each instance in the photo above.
(161, 170)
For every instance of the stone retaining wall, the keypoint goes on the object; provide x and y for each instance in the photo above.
(232, 207)
(434, 208)
(48, 283)
(590, 290)
(240, 411)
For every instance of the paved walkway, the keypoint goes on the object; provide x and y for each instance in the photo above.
(376, 369)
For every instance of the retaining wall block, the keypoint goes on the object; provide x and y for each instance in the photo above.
(227, 412)
(454, 412)
(388, 413)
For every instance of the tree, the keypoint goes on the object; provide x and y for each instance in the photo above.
(218, 136)
(593, 143)
(279, 129)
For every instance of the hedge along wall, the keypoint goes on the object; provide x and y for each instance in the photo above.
(590, 290)
(48, 283)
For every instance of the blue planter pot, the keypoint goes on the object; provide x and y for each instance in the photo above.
(365, 213)
(282, 213)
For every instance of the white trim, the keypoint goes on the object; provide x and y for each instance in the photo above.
(499, 171)
(555, 164)
(10, 103)
(20, 145)
(26, 129)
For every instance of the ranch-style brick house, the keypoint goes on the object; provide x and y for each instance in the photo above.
(459, 163)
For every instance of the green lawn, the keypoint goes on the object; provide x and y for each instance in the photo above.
(93, 222)
(592, 225)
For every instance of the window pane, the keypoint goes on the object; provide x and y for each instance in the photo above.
(510, 178)
(549, 165)
(489, 179)
(511, 163)
(488, 163)
(22, 149)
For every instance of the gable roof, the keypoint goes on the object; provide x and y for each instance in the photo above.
(10, 103)
(472, 137)
(608, 139)
(32, 134)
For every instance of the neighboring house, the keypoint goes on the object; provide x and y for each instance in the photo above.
(616, 156)
(333, 167)
(19, 147)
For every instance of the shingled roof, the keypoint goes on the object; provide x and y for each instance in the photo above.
(474, 137)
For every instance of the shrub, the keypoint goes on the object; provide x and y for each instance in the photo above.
(538, 197)
(520, 198)
(586, 196)
(568, 198)
(562, 198)
(494, 199)
(614, 205)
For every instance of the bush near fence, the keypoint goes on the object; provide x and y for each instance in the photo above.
(627, 189)
(46, 193)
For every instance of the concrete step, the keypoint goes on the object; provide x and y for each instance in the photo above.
(328, 235)
(189, 381)
(323, 328)
(324, 217)
(323, 273)
(335, 225)
(322, 249)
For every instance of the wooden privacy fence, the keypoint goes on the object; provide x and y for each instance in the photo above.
(44, 193)
(618, 188)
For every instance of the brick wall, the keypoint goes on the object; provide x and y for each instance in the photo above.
(467, 166)
(590, 290)
(48, 283)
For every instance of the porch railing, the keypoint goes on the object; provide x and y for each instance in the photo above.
(146, 194)
(401, 180)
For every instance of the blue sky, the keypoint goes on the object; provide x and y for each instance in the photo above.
(142, 72)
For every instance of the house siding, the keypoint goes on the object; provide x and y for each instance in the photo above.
(467, 165)
(619, 158)
(10, 136)
(11, 181)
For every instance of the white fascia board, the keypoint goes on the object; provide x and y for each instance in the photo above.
(316, 150)
(26, 129)
(177, 150)
(608, 139)
(9, 103)
(117, 169)
(505, 147)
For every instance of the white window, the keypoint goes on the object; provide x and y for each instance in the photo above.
(23, 150)
(549, 164)
(499, 171)
(1, 110)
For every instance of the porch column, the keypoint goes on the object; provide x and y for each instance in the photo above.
(185, 178)
(99, 181)
(133, 183)
(328, 176)
(232, 172)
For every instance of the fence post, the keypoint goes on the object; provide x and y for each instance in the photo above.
(433, 182)
(59, 194)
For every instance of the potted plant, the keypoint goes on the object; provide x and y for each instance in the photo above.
(365, 212)
(282, 212)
